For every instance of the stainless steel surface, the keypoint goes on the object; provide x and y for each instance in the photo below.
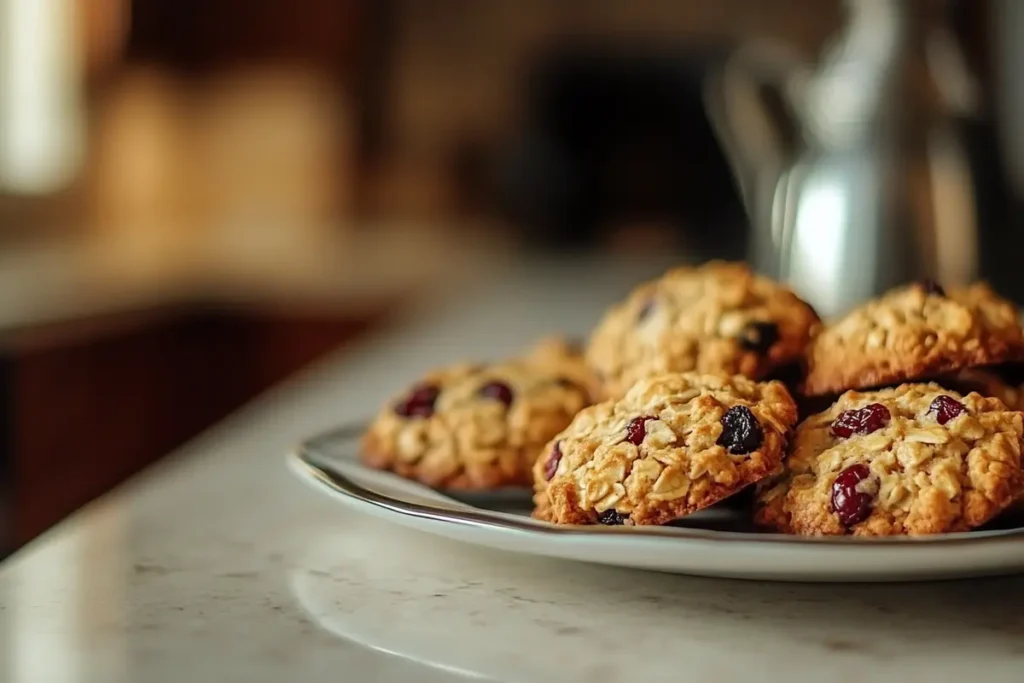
(853, 170)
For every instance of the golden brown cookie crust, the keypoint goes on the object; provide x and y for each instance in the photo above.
(677, 468)
(913, 333)
(472, 441)
(925, 477)
(986, 383)
(700, 319)
(563, 357)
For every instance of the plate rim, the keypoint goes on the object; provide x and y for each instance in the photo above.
(308, 459)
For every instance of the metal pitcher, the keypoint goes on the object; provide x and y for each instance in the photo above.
(853, 171)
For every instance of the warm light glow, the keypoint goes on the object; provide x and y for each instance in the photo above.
(40, 127)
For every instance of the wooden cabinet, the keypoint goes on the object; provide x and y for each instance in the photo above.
(85, 405)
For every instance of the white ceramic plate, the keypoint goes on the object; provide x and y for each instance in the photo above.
(712, 543)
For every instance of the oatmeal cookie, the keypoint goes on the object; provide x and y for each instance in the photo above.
(476, 426)
(917, 459)
(718, 318)
(674, 444)
(913, 332)
(986, 383)
(563, 357)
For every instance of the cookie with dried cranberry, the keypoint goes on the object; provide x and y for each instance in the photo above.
(917, 459)
(475, 426)
(719, 318)
(986, 383)
(989, 383)
(911, 333)
(563, 357)
(675, 444)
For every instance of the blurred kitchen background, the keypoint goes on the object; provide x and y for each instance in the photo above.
(199, 197)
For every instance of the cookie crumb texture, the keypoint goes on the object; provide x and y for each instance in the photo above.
(941, 462)
(986, 383)
(689, 454)
(911, 333)
(718, 318)
(484, 424)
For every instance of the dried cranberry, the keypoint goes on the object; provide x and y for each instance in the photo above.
(636, 430)
(424, 393)
(868, 419)
(420, 402)
(851, 505)
(612, 518)
(499, 391)
(759, 336)
(932, 287)
(741, 432)
(946, 408)
(551, 464)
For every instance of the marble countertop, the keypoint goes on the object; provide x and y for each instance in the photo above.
(215, 565)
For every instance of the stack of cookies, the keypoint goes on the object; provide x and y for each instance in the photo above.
(688, 393)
